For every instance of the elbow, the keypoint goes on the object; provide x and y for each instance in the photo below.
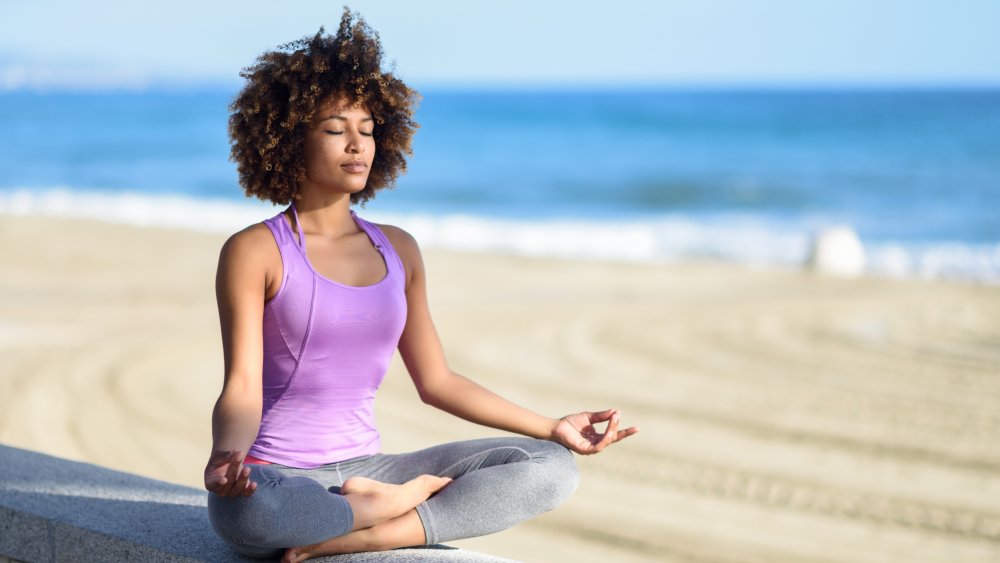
(435, 388)
(427, 396)
(432, 392)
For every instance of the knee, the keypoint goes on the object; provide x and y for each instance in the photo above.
(246, 522)
(241, 522)
(558, 477)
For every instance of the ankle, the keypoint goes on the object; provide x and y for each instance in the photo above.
(404, 531)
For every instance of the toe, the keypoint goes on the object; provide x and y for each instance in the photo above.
(358, 485)
(433, 483)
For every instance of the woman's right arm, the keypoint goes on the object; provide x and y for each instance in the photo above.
(240, 287)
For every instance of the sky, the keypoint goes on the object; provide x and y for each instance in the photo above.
(106, 44)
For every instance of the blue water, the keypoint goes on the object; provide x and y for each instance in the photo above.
(913, 171)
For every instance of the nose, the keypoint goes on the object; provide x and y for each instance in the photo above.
(355, 145)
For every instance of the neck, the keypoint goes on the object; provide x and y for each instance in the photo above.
(325, 216)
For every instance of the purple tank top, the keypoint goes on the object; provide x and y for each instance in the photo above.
(327, 347)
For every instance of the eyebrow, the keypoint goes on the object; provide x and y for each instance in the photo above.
(342, 118)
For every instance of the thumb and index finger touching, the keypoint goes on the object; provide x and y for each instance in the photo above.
(608, 415)
(226, 472)
(611, 433)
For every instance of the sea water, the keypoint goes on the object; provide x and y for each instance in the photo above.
(650, 175)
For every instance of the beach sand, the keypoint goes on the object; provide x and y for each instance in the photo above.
(785, 417)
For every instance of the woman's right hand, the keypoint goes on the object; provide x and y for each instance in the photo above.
(226, 476)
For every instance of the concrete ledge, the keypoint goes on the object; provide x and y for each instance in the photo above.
(52, 509)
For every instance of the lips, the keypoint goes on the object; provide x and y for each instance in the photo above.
(354, 167)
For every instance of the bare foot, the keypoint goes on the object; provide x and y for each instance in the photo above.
(295, 554)
(374, 502)
(404, 531)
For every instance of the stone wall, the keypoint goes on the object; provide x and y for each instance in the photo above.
(56, 510)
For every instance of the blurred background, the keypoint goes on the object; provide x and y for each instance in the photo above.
(724, 130)
(615, 200)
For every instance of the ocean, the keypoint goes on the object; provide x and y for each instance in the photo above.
(650, 175)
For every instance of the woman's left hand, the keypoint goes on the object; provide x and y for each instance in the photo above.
(577, 432)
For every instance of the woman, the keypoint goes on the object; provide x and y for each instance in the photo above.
(312, 304)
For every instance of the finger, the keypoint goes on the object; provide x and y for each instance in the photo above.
(601, 416)
(242, 481)
(225, 479)
(250, 489)
(232, 473)
(214, 483)
(630, 431)
(235, 465)
(609, 434)
(237, 457)
(224, 487)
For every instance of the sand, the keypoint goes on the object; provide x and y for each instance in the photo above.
(785, 417)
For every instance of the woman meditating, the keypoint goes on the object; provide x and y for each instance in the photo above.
(314, 301)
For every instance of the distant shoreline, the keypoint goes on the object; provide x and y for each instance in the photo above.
(818, 87)
(649, 175)
(651, 239)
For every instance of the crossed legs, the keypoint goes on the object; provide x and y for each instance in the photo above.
(496, 483)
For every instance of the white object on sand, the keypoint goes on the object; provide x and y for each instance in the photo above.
(837, 251)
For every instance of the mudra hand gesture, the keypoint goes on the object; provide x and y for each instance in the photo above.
(225, 475)
(577, 432)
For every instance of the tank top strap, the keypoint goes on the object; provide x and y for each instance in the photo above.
(298, 227)
(382, 244)
(281, 231)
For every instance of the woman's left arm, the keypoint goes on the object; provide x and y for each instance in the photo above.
(437, 385)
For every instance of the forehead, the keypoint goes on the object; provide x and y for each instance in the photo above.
(341, 105)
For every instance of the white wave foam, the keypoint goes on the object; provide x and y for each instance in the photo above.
(661, 239)
(741, 239)
(144, 210)
(942, 260)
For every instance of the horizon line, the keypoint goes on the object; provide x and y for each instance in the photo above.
(168, 87)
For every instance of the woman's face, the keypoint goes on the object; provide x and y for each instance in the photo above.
(339, 149)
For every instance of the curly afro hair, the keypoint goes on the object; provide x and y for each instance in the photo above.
(284, 89)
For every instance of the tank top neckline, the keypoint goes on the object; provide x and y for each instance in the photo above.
(301, 247)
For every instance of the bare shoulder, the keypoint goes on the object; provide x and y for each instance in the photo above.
(402, 241)
(406, 247)
(252, 241)
(251, 253)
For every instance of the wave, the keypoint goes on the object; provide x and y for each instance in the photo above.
(134, 208)
(744, 239)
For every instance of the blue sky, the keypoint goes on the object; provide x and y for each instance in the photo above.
(107, 44)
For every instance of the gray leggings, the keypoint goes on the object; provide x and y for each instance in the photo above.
(498, 482)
